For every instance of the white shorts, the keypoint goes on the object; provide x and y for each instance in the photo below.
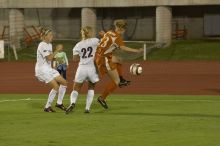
(88, 73)
(46, 75)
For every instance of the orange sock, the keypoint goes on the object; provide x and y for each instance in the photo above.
(119, 69)
(111, 86)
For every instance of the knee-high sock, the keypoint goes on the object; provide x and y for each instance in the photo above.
(51, 97)
(119, 69)
(89, 99)
(111, 86)
(73, 96)
(61, 93)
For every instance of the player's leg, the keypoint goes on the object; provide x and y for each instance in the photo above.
(75, 92)
(53, 84)
(90, 96)
(111, 69)
(111, 86)
(73, 96)
(123, 82)
(93, 79)
(118, 61)
(61, 91)
(113, 74)
(79, 79)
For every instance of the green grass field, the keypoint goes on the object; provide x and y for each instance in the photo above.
(188, 50)
(133, 120)
(178, 51)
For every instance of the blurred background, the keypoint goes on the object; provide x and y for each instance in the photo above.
(180, 39)
(188, 25)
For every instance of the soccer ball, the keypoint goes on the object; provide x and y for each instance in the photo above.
(135, 69)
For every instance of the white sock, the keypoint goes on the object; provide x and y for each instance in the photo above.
(51, 97)
(73, 96)
(61, 93)
(89, 99)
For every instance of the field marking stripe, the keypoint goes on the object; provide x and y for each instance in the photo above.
(168, 100)
(121, 100)
(14, 100)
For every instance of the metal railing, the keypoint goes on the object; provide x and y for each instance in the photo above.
(146, 49)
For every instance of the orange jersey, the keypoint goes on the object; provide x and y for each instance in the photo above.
(103, 58)
(108, 43)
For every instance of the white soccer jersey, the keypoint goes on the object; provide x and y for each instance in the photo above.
(43, 50)
(86, 50)
(43, 70)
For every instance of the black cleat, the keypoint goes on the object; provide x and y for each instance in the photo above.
(102, 102)
(87, 111)
(123, 82)
(61, 106)
(49, 110)
(70, 108)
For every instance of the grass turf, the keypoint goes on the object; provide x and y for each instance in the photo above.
(188, 50)
(131, 120)
(179, 50)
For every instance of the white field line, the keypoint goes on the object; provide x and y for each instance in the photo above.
(126, 100)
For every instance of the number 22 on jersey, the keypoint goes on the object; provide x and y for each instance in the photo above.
(87, 53)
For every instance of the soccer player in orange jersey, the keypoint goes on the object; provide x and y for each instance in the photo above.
(103, 59)
(116, 59)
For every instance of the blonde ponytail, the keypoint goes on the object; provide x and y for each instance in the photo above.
(86, 32)
(44, 32)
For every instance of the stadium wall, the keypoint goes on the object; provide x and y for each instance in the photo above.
(100, 3)
(66, 22)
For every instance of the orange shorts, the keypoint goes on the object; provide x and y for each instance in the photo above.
(104, 64)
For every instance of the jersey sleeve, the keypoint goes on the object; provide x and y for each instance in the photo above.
(76, 50)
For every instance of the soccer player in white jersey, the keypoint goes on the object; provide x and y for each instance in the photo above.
(45, 73)
(84, 52)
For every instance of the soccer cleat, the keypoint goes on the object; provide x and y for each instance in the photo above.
(102, 102)
(49, 110)
(124, 82)
(87, 111)
(61, 106)
(70, 108)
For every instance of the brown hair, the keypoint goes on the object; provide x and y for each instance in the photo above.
(85, 32)
(120, 23)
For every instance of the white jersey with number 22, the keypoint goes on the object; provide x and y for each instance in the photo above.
(86, 70)
(86, 50)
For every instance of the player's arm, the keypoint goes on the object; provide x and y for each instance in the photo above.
(122, 46)
(76, 58)
(47, 53)
(50, 57)
(54, 63)
(125, 48)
